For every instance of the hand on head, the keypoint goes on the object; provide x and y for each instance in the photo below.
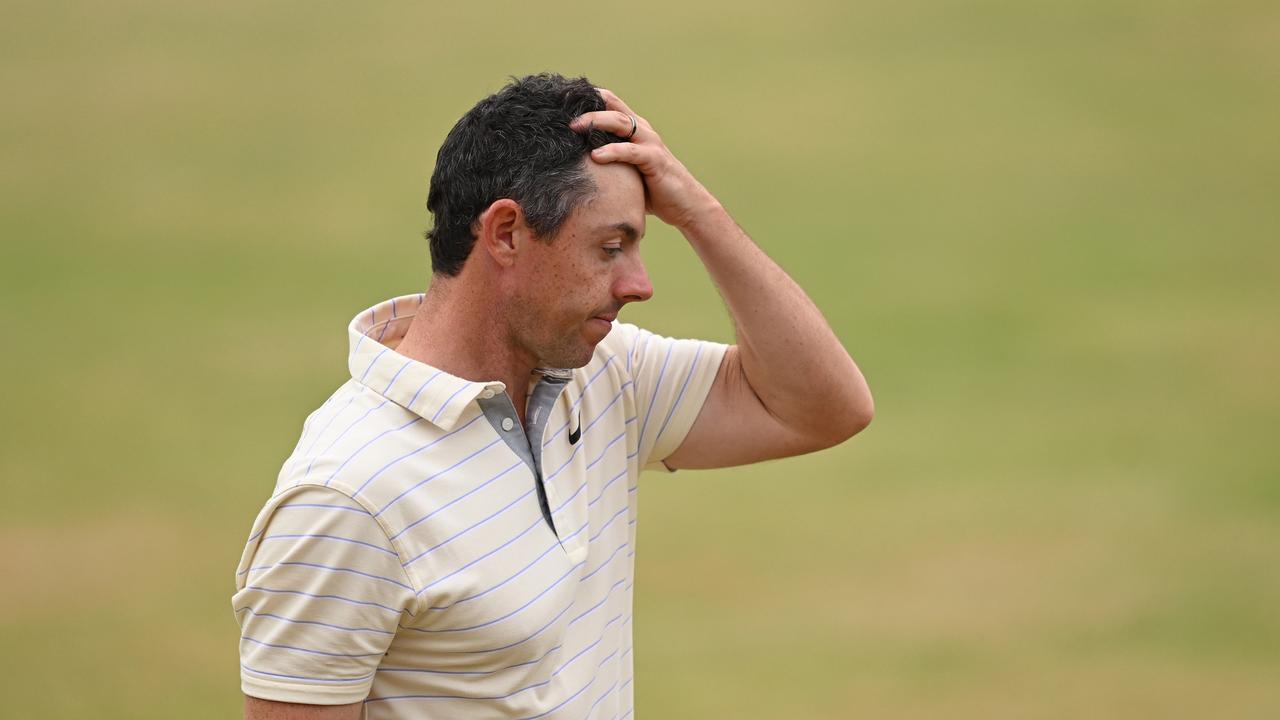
(674, 195)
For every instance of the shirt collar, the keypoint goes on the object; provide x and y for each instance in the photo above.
(437, 396)
(434, 394)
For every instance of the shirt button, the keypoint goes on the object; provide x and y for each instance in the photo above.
(507, 423)
(487, 394)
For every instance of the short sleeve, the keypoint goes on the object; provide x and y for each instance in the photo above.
(319, 594)
(672, 378)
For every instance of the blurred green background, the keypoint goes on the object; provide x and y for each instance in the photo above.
(1046, 230)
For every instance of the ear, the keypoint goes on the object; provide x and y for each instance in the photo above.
(502, 231)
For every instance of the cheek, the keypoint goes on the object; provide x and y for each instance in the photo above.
(567, 292)
(585, 281)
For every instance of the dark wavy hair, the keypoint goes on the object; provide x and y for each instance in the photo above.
(513, 144)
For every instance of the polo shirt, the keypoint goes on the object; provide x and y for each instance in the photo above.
(426, 554)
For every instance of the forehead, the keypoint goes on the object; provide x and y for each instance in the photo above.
(618, 197)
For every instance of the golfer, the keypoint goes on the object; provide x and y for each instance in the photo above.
(454, 535)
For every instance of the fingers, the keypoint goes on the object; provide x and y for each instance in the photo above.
(621, 120)
(612, 121)
(620, 152)
(613, 102)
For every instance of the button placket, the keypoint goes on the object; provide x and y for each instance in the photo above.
(560, 458)
(501, 415)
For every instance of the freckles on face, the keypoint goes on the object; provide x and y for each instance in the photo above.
(599, 235)
(573, 279)
(557, 295)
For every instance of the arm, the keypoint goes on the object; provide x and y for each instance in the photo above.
(788, 386)
(317, 606)
(257, 709)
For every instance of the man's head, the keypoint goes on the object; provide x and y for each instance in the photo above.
(513, 144)
(549, 238)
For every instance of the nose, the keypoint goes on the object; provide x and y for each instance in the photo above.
(633, 285)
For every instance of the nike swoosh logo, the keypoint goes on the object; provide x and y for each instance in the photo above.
(575, 434)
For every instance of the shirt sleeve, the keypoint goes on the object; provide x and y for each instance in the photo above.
(671, 378)
(319, 594)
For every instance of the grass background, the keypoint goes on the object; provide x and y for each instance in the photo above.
(1046, 230)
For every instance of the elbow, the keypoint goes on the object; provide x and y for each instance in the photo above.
(853, 416)
(858, 416)
(864, 414)
(856, 406)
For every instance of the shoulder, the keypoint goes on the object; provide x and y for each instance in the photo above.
(623, 348)
(311, 519)
(350, 440)
(613, 354)
(641, 353)
(619, 340)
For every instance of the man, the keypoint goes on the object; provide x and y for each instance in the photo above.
(454, 535)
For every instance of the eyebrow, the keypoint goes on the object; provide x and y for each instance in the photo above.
(625, 228)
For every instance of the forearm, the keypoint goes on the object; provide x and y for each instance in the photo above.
(790, 358)
(789, 355)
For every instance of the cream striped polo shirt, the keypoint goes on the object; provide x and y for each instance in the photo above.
(410, 556)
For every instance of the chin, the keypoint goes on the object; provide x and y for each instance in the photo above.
(582, 357)
(576, 347)
(570, 357)
(567, 363)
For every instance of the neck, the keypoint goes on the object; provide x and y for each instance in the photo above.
(459, 330)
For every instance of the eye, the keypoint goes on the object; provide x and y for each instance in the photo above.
(613, 250)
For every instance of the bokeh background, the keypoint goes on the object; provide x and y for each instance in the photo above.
(1046, 230)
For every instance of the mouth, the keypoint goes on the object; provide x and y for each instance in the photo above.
(603, 323)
